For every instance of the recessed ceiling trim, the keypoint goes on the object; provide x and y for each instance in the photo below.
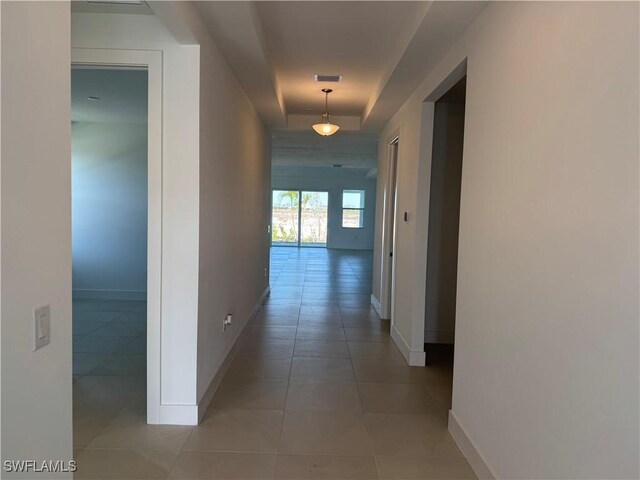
(133, 7)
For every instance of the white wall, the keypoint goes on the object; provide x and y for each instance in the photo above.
(234, 211)
(546, 361)
(109, 207)
(334, 180)
(36, 231)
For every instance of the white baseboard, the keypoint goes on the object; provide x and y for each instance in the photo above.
(224, 366)
(110, 294)
(415, 358)
(468, 448)
(178, 414)
(376, 305)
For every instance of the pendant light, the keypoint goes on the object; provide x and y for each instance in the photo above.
(326, 128)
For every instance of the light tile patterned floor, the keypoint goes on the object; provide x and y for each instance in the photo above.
(317, 390)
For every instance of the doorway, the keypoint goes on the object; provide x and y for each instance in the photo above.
(109, 139)
(444, 223)
(299, 218)
(117, 183)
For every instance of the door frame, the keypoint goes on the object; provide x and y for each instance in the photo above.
(152, 62)
(387, 264)
(416, 351)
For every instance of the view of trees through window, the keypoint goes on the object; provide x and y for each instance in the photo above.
(299, 217)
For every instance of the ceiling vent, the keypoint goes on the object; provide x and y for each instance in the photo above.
(117, 2)
(328, 78)
(337, 165)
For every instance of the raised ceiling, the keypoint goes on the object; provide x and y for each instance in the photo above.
(383, 50)
(352, 39)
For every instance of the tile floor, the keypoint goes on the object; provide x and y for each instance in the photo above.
(317, 390)
(109, 338)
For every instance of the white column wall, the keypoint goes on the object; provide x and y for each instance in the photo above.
(35, 232)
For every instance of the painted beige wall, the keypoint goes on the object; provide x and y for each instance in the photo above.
(235, 171)
(546, 367)
(36, 231)
(234, 199)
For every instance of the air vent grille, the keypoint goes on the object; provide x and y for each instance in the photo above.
(327, 78)
(116, 2)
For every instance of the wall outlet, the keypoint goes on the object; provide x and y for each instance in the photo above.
(265, 272)
(42, 324)
(227, 322)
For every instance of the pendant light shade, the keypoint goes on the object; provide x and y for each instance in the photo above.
(325, 127)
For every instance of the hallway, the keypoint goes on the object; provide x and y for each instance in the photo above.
(316, 390)
(247, 99)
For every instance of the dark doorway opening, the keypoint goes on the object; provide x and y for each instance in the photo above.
(444, 222)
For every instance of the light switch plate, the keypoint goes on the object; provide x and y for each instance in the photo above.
(42, 323)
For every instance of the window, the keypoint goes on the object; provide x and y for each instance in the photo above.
(353, 209)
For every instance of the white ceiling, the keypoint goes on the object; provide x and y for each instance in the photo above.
(122, 94)
(383, 50)
(353, 39)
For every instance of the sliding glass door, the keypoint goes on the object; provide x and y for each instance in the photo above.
(285, 218)
(313, 219)
(299, 218)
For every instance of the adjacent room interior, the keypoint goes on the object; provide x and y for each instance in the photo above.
(109, 241)
(324, 190)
